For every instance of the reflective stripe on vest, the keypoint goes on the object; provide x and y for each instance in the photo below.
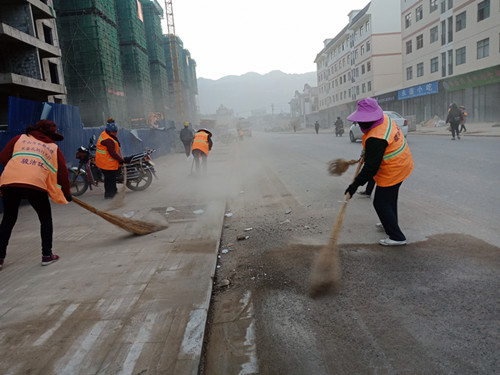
(102, 157)
(397, 162)
(200, 142)
(34, 163)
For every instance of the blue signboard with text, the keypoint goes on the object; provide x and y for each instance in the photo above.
(419, 90)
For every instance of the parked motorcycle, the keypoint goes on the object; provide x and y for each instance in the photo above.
(140, 170)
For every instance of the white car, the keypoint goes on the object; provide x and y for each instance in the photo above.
(355, 132)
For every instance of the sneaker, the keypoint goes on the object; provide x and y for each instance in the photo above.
(453, 139)
(458, 136)
(388, 242)
(46, 260)
(1, 263)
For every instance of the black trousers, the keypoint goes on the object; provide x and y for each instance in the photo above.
(110, 189)
(39, 200)
(187, 148)
(454, 129)
(197, 154)
(385, 203)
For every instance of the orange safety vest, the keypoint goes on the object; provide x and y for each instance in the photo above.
(102, 157)
(397, 163)
(200, 142)
(34, 163)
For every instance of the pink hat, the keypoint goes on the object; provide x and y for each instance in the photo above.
(368, 111)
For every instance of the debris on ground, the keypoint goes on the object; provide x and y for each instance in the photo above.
(247, 229)
(288, 211)
(198, 212)
(242, 237)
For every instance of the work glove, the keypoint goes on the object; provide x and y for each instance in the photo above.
(69, 198)
(351, 189)
(127, 159)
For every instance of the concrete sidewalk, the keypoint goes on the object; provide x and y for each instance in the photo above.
(482, 129)
(116, 303)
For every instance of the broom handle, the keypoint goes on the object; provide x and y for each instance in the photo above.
(84, 205)
(340, 217)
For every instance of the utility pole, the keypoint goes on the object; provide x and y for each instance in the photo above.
(176, 85)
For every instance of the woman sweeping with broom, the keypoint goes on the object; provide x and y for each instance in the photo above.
(35, 169)
(387, 159)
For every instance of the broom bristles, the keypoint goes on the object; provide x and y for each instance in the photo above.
(133, 226)
(338, 166)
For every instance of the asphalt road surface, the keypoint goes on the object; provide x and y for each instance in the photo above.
(430, 307)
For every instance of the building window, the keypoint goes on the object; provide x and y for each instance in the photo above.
(434, 34)
(433, 5)
(460, 56)
(369, 86)
(408, 47)
(443, 6)
(443, 64)
(409, 73)
(483, 48)
(54, 75)
(460, 21)
(420, 69)
(363, 87)
(434, 64)
(450, 62)
(368, 66)
(420, 41)
(408, 20)
(363, 69)
(443, 33)
(367, 46)
(367, 25)
(450, 29)
(362, 50)
(419, 13)
(47, 34)
(483, 10)
(450, 4)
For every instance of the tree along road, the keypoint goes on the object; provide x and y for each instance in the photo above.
(430, 307)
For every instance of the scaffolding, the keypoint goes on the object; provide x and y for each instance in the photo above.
(91, 59)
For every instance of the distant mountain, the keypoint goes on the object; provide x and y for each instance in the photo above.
(249, 92)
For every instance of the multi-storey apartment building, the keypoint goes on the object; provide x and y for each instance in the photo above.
(450, 54)
(415, 57)
(304, 106)
(363, 60)
(30, 57)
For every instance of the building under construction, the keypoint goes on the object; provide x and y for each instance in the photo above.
(116, 62)
(30, 57)
(187, 81)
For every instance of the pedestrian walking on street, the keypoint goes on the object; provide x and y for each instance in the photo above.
(339, 127)
(35, 169)
(454, 118)
(108, 157)
(464, 119)
(202, 144)
(316, 127)
(387, 161)
(187, 138)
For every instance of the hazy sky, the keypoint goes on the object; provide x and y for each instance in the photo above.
(233, 37)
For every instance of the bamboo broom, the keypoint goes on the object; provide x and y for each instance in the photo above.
(326, 271)
(133, 226)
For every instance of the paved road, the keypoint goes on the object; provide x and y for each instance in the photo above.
(430, 307)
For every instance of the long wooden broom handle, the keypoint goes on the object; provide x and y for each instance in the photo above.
(340, 217)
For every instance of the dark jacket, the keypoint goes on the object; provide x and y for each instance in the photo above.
(186, 135)
(62, 170)
(454, 115)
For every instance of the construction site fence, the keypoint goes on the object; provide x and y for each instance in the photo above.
(23, 113)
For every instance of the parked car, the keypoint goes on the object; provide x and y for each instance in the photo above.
(355, 132)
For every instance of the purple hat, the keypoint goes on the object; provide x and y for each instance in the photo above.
(368, 111)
